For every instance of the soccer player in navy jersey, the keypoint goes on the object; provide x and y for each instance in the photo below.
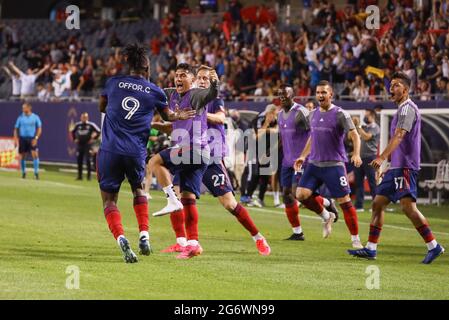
(215, 177)
(129, 103)
(400, 182)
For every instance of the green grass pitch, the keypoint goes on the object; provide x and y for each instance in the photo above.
(48, 225)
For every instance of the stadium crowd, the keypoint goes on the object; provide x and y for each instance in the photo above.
(253, 56)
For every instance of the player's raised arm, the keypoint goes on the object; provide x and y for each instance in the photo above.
(201, 97)
(219, 117)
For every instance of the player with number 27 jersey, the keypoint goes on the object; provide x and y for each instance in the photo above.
(132, 101)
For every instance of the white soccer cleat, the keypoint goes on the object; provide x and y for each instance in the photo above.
(356, 244)
(327, 225)
(169, 208)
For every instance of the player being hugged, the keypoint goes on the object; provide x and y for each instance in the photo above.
(190, 156)
(215, 177)
(329, 124)
(129, 103)
(400, 181)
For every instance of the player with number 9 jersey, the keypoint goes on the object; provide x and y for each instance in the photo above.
(129, 103)
(132, 101)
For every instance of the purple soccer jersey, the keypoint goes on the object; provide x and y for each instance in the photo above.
(217, 140)
(407, 154)
(294, 130)
(194, 131)
(328, 131)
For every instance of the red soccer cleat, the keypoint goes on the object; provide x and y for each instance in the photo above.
(190, 252)
(263, 247)
(173, 248)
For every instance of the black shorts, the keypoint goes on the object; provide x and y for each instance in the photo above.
(25, 145)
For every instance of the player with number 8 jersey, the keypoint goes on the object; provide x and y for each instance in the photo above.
(329, 126)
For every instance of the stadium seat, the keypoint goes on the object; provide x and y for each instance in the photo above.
(438, 183)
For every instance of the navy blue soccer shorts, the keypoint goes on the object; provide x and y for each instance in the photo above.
(215, 178)
(334, 178)
(189, 174)
(112, 169)
(289, 177)
(399, 183)
(25, 145)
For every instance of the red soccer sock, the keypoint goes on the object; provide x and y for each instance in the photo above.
(426, 233)
(114, 220)
(244, 218)
(141, 210)
(177, 223)
(312, 203)
(191, 218)
(374, 233)
(292, 212)
(350, 217)
(319, 199)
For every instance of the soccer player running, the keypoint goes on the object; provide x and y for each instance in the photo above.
(294, 130)
(216, 177)
(27, 130)
(329, 124)
(400, 181)
(129, 103)
(190, 156)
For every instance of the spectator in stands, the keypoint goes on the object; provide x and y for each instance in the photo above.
(44, 92)
(28, 80)
(75, 82)
(359, 90)
(16, 82)
(441, 90)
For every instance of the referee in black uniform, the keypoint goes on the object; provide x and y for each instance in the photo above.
(84, 134)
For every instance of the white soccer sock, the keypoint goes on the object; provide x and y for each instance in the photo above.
(325, 215)
(355, 238)
(192, 242)
(118, 239)
(431, 245)
(276, 197)
(257, 237)
(170, 192)
(297, 230)
(326, 202)
(182, 241)
(144, 234)
(371, 246)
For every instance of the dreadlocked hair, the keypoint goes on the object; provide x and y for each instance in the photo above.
(136, 57)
